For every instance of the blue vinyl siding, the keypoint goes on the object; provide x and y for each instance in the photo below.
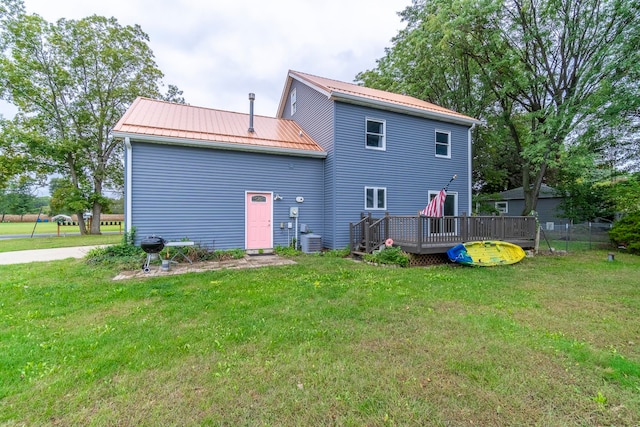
(315, 114)
(199, 193)
(408, 168)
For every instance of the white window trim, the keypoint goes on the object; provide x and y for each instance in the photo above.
(384, 133)
(454, 232)
(294, 101)
(375, 198)
(502, 210)
(435, 144)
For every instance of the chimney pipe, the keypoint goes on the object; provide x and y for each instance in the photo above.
(252, 97)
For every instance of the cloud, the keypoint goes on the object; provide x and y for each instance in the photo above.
(218, 51)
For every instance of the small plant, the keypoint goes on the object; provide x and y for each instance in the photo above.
(390, 256)
(285, 251)
(337, 253)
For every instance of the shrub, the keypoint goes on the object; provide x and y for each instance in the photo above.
(286, 251)
(390, 255)
(626, 232)
(337, 253)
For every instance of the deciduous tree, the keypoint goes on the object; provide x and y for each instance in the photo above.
(71, 81)
(549, 73)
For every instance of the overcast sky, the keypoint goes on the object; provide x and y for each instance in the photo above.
(217, 51)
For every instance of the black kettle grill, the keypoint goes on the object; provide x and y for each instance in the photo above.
(151, 245)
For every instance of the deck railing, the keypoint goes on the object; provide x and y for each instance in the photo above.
(421, 234)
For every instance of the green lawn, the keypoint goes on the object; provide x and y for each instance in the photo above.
(10, 245)
(47, 228)
(553, 341)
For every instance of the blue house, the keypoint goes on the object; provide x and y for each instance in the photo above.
(334, 150)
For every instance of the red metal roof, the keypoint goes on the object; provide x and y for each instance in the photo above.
(171, 122)
(350, 92)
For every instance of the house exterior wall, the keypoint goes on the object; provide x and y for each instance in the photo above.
(198, 193)
(548, 209)
(408, 168)
(315, 114)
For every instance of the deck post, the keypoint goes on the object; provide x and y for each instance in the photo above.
(367, 241)
(464, 227)
(351, 248)
(419, 243)
(386, 226)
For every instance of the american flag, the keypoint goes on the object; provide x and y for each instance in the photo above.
(435, 208)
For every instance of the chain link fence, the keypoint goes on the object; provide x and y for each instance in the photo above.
(570, 237)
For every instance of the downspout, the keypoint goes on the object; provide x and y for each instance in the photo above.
(127, 191)
(470, 166)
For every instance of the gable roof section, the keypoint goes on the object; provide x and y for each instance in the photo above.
(179, 124)
(361, 95)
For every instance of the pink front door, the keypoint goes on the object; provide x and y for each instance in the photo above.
(258, 222)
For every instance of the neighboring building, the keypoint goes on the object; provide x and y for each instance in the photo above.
(334, 150)
(511, 203)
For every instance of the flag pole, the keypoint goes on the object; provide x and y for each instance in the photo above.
(450, 181)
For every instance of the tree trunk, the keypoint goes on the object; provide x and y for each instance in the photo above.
(95, 219)
(81, 225)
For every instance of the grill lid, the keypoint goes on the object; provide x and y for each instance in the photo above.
(152, 244)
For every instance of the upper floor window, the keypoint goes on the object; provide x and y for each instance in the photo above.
(443, 144)
(376, 134)
(375, 198)
(294, 101)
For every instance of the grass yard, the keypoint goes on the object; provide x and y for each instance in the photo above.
(10, 245)
(553, 341)
(48, 228)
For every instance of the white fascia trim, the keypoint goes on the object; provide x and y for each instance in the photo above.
(354, 99)
(311, 85)
(221, 145)
(128, 172)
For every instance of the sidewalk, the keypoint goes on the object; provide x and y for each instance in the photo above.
(36, 255)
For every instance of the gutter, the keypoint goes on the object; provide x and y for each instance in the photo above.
(219, 145)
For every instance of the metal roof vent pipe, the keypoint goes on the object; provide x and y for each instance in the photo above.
(252, 97)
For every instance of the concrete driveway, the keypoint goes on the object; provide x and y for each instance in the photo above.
(36, 255)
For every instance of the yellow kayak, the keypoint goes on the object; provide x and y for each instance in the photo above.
(486, 253)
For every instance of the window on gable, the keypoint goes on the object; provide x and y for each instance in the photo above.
(375, 198)
(443, 144)
(375, 134)
(294, 101)
(502, 207)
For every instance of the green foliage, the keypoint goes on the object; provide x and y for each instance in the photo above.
(536, 92)
(337, 253)
(71, 81)
(123, 255)
(390, 256)
(287, 251)
(626, 232)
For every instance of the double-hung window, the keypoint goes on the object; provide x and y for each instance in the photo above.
(443, 144)
(376, 139)
(294, 101)
(375, 198)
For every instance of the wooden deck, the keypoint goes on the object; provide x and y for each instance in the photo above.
(426, 235)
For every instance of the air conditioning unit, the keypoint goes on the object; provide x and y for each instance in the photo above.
(311, 243)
